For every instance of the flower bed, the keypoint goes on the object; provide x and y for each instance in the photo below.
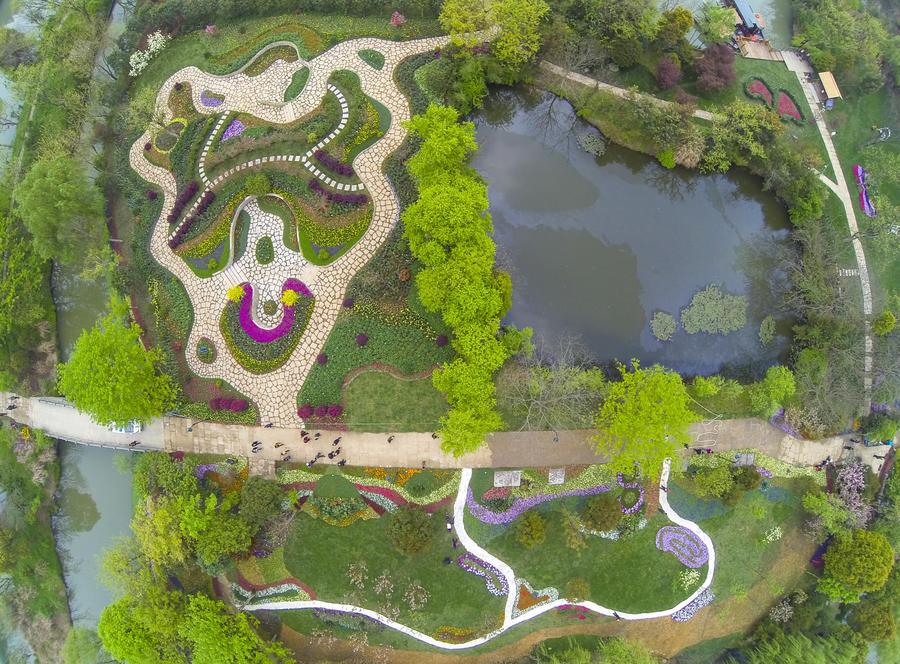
(235, 128)
(683, 544)
(787, 107)
(528, 597)
(538, 481)
(333, 164)
(776, 467)
(263, 335)
(211, 99)
(685, 614)
(522, 505)
(258, 350)
(631, 485)
(490, 574)
(757, 89)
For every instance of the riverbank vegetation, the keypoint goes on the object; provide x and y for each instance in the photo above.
(32, 590)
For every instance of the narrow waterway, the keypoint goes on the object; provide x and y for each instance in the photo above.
(94, 501)
(596, 245)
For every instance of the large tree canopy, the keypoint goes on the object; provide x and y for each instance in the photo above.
(61, 209)
(112, 376)
(643, 419)
(856, 563)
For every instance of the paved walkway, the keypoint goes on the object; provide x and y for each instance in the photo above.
(262, 96)
(606, 87)
(839, 187)
(512, 582)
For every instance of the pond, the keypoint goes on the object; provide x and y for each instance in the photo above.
(95, 506)
(596, 245)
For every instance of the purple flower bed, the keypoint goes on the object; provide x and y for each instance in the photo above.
(777, 421)
(207, 99)
(488, 572)
(262, 335)
(336, 197)
(683, 544)
(236, 128)
(203, 468)
(763, 472)
(522, 505)
(224, 403)
(333, 164)
(631, 485)
(701, 600)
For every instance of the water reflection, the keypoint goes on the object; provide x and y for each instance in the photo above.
(596, 246)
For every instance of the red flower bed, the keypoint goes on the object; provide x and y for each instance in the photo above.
(758, 89)
(786, 106)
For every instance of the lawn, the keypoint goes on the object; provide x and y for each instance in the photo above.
(320, 554)
(743, 559)
(379, 401)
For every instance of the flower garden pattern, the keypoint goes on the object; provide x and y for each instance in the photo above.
(233, 104)
(523, 602)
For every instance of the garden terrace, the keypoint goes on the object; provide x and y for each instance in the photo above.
(334, 243)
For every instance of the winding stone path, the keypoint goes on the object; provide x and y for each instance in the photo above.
(262, 96)
(459, 509)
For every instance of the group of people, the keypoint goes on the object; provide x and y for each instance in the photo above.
(256, 446)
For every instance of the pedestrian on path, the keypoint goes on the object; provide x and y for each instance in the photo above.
(664, 488)
(336, 440)
(434, 435)
(342, 462)
(303, 432)
(423, 464)
(269, 425)
(390, 439)
(878, 456)
(318, 433)
(616, 616)
(279, 444)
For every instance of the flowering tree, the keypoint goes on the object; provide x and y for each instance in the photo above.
(851, 482)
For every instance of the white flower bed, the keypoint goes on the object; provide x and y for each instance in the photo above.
(776, 466)
(685, 614)
(295, 591)
(140, 59)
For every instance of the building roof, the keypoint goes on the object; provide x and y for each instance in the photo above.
(747, 14)
(832, 91)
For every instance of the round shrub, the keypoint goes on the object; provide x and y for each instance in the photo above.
(601, 512)
(305, 411)
(322, 358)
(270, 307)
(322, 411)
(531, 530)
(148, 146)
(362, 339)
(348, 303)
(178, 87)
(152, 194)
(335, 410)
(441, 340)
(410, 529)
(663, 325)
(714, 482)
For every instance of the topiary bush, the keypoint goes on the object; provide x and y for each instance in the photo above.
(601, 512)
(531, 529)
(663, 325)
(411, 529)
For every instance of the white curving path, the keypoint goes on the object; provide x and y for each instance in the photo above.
(508, 621)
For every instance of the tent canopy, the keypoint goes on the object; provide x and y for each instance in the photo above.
(831, 89)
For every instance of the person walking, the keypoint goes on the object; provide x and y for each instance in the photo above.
(390, 439)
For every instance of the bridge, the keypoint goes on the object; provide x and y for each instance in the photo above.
(503, 449)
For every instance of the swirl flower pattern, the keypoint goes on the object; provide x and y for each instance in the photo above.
(683, 544)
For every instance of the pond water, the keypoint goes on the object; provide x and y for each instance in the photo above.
(596, 245)
(94, 500)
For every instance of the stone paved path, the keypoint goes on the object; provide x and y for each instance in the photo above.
(606, 87)
(262, 96)
(801, 68)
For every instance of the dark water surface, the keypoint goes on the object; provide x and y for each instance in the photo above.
(595, 246)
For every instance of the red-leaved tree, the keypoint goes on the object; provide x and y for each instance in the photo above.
(715, 69)
(668, 73)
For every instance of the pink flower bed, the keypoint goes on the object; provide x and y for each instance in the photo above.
(786, 106)
(262, 335)
(758, 88)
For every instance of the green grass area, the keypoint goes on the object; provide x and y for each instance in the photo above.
(743, 559)
(371, 57)
(298, 82)
(707, 651)
(629, 574)
(320, 555)
(378, 401)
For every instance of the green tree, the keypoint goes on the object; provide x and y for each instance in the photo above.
(616, 23)
(411, 529)
(674, 24)
(61, 209)
(743, 132)
(82, 646)
(788, 648)
(602, 512)
(212, 529)
(620, 651)
(772, 392)
(216, 635)
(856, 563)
(144, 629)
(110, 374)
(716, 482)
(830, 509)
(518, 21)
(531, 529)
(644, 419)
(884, 323)
(261, 500)
(715, 22)
(6, 540)
(875, 621)
(156, 525)
(461, 19)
